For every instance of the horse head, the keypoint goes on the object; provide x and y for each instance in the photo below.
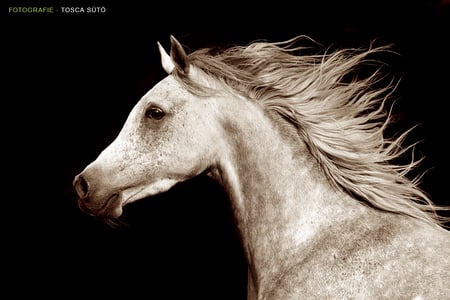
(162, 142)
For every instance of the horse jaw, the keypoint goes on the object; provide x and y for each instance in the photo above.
(133, 194)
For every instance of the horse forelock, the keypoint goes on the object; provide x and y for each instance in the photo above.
(341, 115)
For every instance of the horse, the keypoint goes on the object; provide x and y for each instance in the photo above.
(324, 205)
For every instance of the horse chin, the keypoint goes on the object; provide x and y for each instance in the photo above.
(111, 209)
(157, 187)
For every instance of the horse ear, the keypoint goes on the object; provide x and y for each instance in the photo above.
(166, 61)
(178, 55)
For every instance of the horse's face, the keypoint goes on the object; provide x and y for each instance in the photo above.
(165, 139)
(168, 137)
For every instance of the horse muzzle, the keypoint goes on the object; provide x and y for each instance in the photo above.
(94, 201)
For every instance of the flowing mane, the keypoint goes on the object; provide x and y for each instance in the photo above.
(341, 114)
(323, 201)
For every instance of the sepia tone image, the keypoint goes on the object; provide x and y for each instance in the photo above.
(228, 152)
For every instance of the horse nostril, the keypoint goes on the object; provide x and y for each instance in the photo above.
(81, 186)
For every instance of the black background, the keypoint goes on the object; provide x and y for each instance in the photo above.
(69, 83)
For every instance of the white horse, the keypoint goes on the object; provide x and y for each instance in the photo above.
(322, 210)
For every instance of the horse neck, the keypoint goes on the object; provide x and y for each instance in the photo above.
(278, 195)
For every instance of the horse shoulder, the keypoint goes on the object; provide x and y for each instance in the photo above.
(388, 257)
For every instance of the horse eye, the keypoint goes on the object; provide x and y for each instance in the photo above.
(155, 113)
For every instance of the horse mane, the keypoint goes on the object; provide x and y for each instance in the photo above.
(341, 114)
